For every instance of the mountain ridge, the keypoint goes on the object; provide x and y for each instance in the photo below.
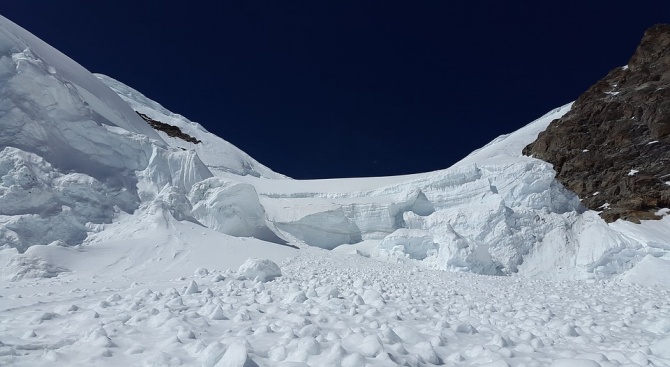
(613, 147)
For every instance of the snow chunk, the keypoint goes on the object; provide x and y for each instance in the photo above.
(415, 242)
(230, 207)
(373, 298)
(264, 269)
(192, 288)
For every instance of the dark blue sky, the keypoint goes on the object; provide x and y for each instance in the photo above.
(317, 89)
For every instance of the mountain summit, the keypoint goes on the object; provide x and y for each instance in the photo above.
(613, 147)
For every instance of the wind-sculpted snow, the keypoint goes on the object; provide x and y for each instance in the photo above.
(38, 74)
(76, 157)
(70, 146)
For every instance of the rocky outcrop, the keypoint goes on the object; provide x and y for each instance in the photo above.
(171, 130)
(613, 147)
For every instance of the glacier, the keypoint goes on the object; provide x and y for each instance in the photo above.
(78, 164)
(121, 245)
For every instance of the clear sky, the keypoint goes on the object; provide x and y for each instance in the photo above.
(318, 89)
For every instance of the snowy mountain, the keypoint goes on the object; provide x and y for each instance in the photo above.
(612, 148)
(79, 160)
(494, 212)
(94, 203)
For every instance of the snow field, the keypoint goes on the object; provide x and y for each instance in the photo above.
(332, 309)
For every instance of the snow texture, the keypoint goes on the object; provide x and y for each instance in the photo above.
(333, 309)
(117, 244)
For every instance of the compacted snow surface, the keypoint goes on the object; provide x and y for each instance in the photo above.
(333, 309)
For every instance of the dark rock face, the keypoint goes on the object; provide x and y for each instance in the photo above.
(613, 147)
(171, 130)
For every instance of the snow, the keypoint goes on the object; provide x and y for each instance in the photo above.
(218, 155)
(415, 243)
(329, 308)
(650, 272)
(262, 269)
(25, 57)
(118, 246)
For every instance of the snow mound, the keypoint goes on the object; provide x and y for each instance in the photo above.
(263, 269)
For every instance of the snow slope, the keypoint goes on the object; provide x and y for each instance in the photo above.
(217, 154)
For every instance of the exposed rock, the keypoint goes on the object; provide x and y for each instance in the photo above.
(171, 130)
(613, 147)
